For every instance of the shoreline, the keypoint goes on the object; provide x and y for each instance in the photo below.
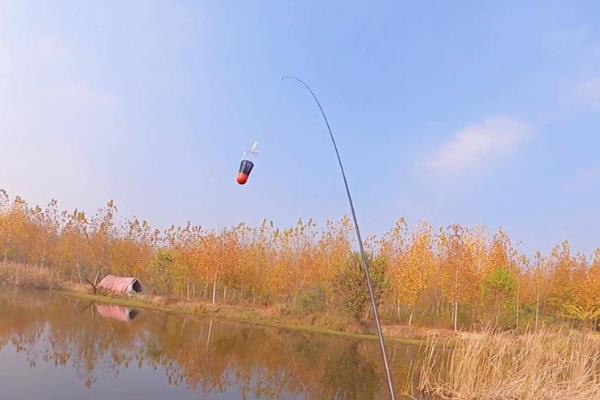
(246, 315)
(274, 316)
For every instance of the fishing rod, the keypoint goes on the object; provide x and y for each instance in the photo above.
(363, 258)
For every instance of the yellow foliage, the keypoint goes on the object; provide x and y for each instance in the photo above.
(434, 272)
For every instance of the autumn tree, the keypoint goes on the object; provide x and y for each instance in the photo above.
(351, 288)
(413, 274)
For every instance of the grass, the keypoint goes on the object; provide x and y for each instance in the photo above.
(27, 276)
(547, 364)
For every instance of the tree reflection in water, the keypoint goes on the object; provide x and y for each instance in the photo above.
(209, 356)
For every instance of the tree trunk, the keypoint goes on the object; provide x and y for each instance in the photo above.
(225, 295)
(497, 308)
(412, 311)
(209, 332)
(214, 292)
(79, 274)
(43, 256)
(456, 298)
(94, 283)
(455, 315)
(188, 289)
(537, 311)
(517, 311)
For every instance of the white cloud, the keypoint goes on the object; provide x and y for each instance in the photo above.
(478, 144)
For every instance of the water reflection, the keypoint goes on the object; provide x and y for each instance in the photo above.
(194, 355)
(119, 313)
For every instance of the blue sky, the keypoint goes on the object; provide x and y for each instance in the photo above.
(448, 112)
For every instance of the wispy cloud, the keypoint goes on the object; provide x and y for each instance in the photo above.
(477, 144)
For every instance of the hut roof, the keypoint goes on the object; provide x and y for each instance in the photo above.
(119, 284)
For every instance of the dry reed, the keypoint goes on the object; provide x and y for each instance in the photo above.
(28, 276)
(547, 364)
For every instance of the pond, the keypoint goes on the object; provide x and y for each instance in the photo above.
(56, 347)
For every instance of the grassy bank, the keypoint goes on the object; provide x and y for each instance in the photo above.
(33, 277)
(256, 316)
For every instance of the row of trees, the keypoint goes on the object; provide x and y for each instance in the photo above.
(453, 276)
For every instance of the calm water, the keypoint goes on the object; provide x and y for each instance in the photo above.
(54, 347)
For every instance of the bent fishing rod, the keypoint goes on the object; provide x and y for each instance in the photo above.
(363, 258)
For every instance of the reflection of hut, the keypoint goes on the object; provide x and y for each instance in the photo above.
(120, 284)
(117, 312)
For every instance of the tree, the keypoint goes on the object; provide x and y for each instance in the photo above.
(541, 284)
(159, 271)
(351, 288)
(459, 278)
(500, 287)
(413, 276)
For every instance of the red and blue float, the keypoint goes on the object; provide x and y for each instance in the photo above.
(246, 165)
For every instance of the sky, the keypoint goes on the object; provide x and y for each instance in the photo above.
(472, 113)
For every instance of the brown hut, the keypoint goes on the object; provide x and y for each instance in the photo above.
(121, 285)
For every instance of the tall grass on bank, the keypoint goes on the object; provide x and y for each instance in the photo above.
(547, 364)
(28, 276)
